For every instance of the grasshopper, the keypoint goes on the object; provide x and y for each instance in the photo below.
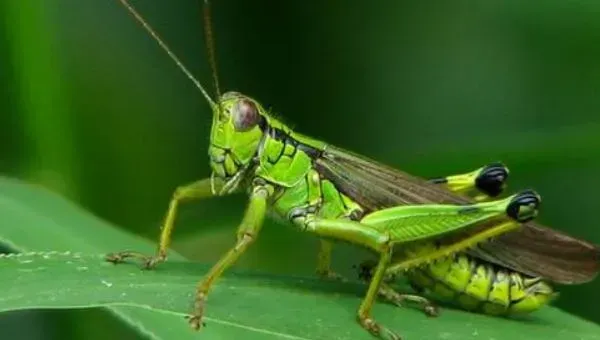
(509, 275)
(325, 190)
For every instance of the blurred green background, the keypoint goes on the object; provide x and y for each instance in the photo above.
(92, 108)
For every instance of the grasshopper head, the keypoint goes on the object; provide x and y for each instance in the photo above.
(237, 129)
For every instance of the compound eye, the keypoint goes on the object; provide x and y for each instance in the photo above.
(245, 115)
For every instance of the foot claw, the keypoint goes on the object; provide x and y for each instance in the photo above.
(195, 322)
(399, 300)
(375, 329)
(152, 262)
(431, 310)
(114, 258)
(331, 275)
(148, 262)
(390, 335)
(370, 325)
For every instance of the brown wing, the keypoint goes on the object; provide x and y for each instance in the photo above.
(533, 250)
(376, 186)
(539, 251)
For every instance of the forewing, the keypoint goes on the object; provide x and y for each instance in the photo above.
(376, 186)
(539, 251)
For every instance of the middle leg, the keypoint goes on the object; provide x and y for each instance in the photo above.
(324, 262)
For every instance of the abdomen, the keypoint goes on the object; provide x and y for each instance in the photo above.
(476, 285)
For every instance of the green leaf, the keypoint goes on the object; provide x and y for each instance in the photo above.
(61, 266)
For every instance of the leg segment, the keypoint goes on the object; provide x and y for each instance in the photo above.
(495, 229)
(398, 299)
(365, 273)
(364, 311)
(481, 184)
(417, 222)
(246, 234)
(324, 262)
(359, 234)
(194, 191)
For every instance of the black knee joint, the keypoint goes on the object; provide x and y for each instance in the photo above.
(492, 179)
(524, 206)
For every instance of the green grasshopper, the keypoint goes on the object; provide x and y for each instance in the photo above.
(319, 188)
(510, 275)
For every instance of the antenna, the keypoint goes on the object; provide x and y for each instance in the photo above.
(210, 47)
(166, 48)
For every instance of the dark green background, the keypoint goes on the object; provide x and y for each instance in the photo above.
(92, 108)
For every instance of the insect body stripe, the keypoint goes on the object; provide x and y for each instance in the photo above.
(533, 294)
